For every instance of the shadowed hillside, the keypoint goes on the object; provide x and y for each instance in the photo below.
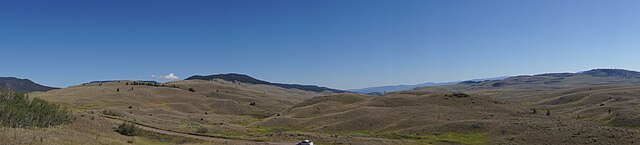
(22, 85)
(247, 79)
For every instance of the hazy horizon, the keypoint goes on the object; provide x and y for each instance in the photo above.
(335, 43)
(178, 79)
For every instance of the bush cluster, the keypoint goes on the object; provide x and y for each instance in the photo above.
(128, 129)
(18, 111)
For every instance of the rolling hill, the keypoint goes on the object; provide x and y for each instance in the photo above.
(248, 79)
(223, 107)
(22, 85)
(591, 107)
(604, 96)
(422, 117)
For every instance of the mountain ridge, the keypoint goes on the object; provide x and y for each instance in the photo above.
(394, 88)
(593, 77)
(111, 81)
(248, 79)
(22, 85)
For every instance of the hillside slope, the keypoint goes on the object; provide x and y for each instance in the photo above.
(22, 85)
(247, 79)
(422, 117)
(603, 96)
(219, 105)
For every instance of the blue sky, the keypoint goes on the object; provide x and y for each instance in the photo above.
(343, 44)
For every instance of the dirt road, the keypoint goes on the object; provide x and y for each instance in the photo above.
(209, 138)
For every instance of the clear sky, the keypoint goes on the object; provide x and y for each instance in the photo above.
(343, 44)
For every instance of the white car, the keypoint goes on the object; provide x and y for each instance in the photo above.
(305, 142)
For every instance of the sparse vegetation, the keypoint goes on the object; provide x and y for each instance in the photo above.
(18, 111)
(456, 138)
(192, 90)
(202, 130)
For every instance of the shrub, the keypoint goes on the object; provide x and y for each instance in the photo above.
(18, 111)
(128, 129)
(460, 95)
(548, 113)
(111, 113)
(192, 90)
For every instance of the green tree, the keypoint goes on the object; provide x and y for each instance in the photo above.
(18, 111)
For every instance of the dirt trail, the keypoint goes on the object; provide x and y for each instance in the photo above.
(214, 139)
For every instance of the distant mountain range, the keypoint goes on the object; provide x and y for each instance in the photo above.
(248, 79)
(591, 78)
(394, 88)
(22, 85)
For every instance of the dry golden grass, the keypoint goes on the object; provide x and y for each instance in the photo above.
(221, 106)
(494, 112)
(425, 117)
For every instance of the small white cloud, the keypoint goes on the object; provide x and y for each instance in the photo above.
(171, 76)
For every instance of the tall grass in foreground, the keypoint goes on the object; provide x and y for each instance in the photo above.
(18, 111)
